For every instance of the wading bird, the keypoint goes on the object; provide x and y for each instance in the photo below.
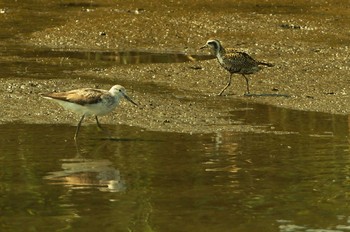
(234, 62)
(89, 102)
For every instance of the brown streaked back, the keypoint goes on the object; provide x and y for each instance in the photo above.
(79, 96)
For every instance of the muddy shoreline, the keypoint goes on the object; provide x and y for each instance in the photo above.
(306, 42)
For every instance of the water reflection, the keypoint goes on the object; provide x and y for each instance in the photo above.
(28, 62)
(213, 180)
(118, 57)
(217, 163)
(87, 173)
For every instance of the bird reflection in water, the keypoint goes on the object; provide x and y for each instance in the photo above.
(87, 173)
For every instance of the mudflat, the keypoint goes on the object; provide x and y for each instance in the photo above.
(308, 43)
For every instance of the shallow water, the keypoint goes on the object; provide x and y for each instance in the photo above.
(292, 175)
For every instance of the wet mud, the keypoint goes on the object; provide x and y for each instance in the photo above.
(306, 41)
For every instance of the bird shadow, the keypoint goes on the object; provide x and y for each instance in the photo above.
(266, 95)
(116, 139)
(258, 95)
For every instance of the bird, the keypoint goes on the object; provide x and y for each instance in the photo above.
(89, 102)
(234, 61)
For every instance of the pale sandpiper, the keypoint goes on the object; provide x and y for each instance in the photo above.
(89, 102)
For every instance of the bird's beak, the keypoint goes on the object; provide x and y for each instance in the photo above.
(129, 99)
(205, 46)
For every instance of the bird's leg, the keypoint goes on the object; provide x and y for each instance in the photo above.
(227, 85)
(98, 123)
(78, 127)
(101, 128)
(247, 81)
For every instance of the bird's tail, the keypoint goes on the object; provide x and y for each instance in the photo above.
(266, 64)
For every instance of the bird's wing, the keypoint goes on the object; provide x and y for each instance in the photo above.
(236, 61)
(78, 96)
(231, 50)
(247, 58)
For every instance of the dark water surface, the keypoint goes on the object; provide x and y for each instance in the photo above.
(296, 176)
(292, 176)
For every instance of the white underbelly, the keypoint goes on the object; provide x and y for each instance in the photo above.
(93, 109)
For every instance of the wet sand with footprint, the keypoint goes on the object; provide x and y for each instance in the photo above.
(307, 42)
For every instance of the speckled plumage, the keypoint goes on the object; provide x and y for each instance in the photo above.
(234, 61)
(88, 101)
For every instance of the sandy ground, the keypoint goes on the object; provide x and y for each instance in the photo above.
(307, 42)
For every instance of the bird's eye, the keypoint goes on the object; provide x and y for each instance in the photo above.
(213, 44)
